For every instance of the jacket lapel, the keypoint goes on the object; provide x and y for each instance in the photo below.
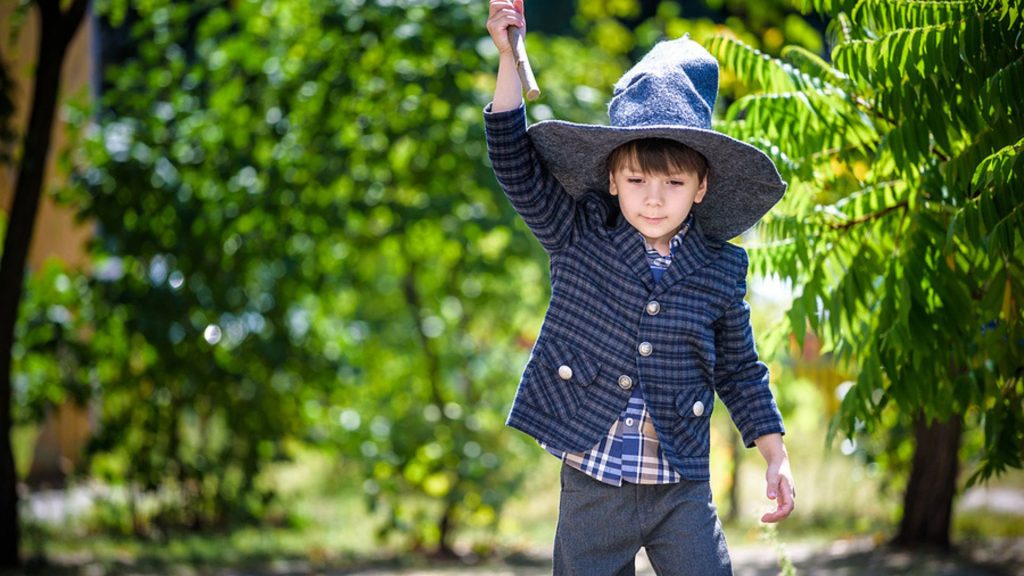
(692, 254)
(631, 251)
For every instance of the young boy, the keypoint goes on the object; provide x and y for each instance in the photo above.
(647, 319)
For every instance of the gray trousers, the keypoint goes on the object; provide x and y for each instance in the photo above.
(602, 527)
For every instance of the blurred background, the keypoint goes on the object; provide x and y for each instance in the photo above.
(264, 307)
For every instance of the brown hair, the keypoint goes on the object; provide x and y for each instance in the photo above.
(658, 156)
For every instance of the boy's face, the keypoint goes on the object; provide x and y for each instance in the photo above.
(656, 204)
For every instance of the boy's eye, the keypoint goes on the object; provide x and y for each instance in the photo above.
(634, 180)
(676, 182)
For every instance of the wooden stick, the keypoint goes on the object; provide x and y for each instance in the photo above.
(515, 37)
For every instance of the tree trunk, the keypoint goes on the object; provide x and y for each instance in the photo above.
(56, 31)
(736, 443)
(446, 527)
(928, 502)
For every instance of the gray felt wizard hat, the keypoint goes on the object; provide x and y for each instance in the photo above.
(669, 94)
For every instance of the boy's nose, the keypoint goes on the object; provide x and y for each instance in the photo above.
(654, 196)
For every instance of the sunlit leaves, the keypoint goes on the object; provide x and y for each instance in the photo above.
(912, 53)
(887, 15)
(756, 68)
(826, 7)
(902, 225)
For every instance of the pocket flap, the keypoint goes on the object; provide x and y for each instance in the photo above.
(563, 359)
(695, 403)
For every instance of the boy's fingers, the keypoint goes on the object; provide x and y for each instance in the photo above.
(505, 10)
(781, 512)
(499, 5)
(512, 8)
(773, 484)
(503, 16)
(785, 496)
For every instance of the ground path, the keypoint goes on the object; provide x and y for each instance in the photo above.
(854, 557)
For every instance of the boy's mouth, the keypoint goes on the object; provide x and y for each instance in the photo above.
(652, 220)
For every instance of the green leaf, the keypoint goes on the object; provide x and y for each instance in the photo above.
(884, 16)
(824, 7)
(797, 315)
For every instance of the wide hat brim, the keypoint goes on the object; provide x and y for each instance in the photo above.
(743, 183)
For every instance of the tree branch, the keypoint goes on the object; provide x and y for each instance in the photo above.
(415, 304)
(70, 20)
(869, 217)
(49, 10)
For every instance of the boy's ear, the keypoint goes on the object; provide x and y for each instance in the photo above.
(611, 185)
(701, 190)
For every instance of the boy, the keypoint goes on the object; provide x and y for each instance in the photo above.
(647, 319)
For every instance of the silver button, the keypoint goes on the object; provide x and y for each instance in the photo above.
(625, 382)
(698, 408)
(653, 307)
(645, 349)
(629, 422)
(564, 372)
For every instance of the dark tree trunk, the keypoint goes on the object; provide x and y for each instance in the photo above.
(56, 31)
(928, 502)
(447, 526)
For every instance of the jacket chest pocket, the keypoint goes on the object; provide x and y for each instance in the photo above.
(557, 378)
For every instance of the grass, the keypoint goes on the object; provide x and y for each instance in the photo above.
(332, 527)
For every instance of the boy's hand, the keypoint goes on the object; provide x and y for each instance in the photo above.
(779, 478)
(505, 13)
(780, 489)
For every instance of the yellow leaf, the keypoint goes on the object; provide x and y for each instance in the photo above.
(838, 168)
(860, 170)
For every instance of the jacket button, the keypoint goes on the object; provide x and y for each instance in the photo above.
(625, 382)
(698, 408)
(645, 349)
(564, 372)
(653, 307)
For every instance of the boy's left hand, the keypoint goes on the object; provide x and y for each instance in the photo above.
(779, 477)
(780, 489)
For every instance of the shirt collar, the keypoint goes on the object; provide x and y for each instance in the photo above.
(673, 244)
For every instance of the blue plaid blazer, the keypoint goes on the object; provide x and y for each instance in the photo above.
(610, 327)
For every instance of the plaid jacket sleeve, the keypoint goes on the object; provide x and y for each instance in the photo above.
(536, 195)
(741, 380)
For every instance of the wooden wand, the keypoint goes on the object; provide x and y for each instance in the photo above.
(515, 37)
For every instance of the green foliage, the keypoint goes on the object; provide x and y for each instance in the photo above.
(445, 286)
(51, 362)
(300, 239)
(902, 225)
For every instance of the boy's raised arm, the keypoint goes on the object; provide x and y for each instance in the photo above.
(508, 92)
(537, 196)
